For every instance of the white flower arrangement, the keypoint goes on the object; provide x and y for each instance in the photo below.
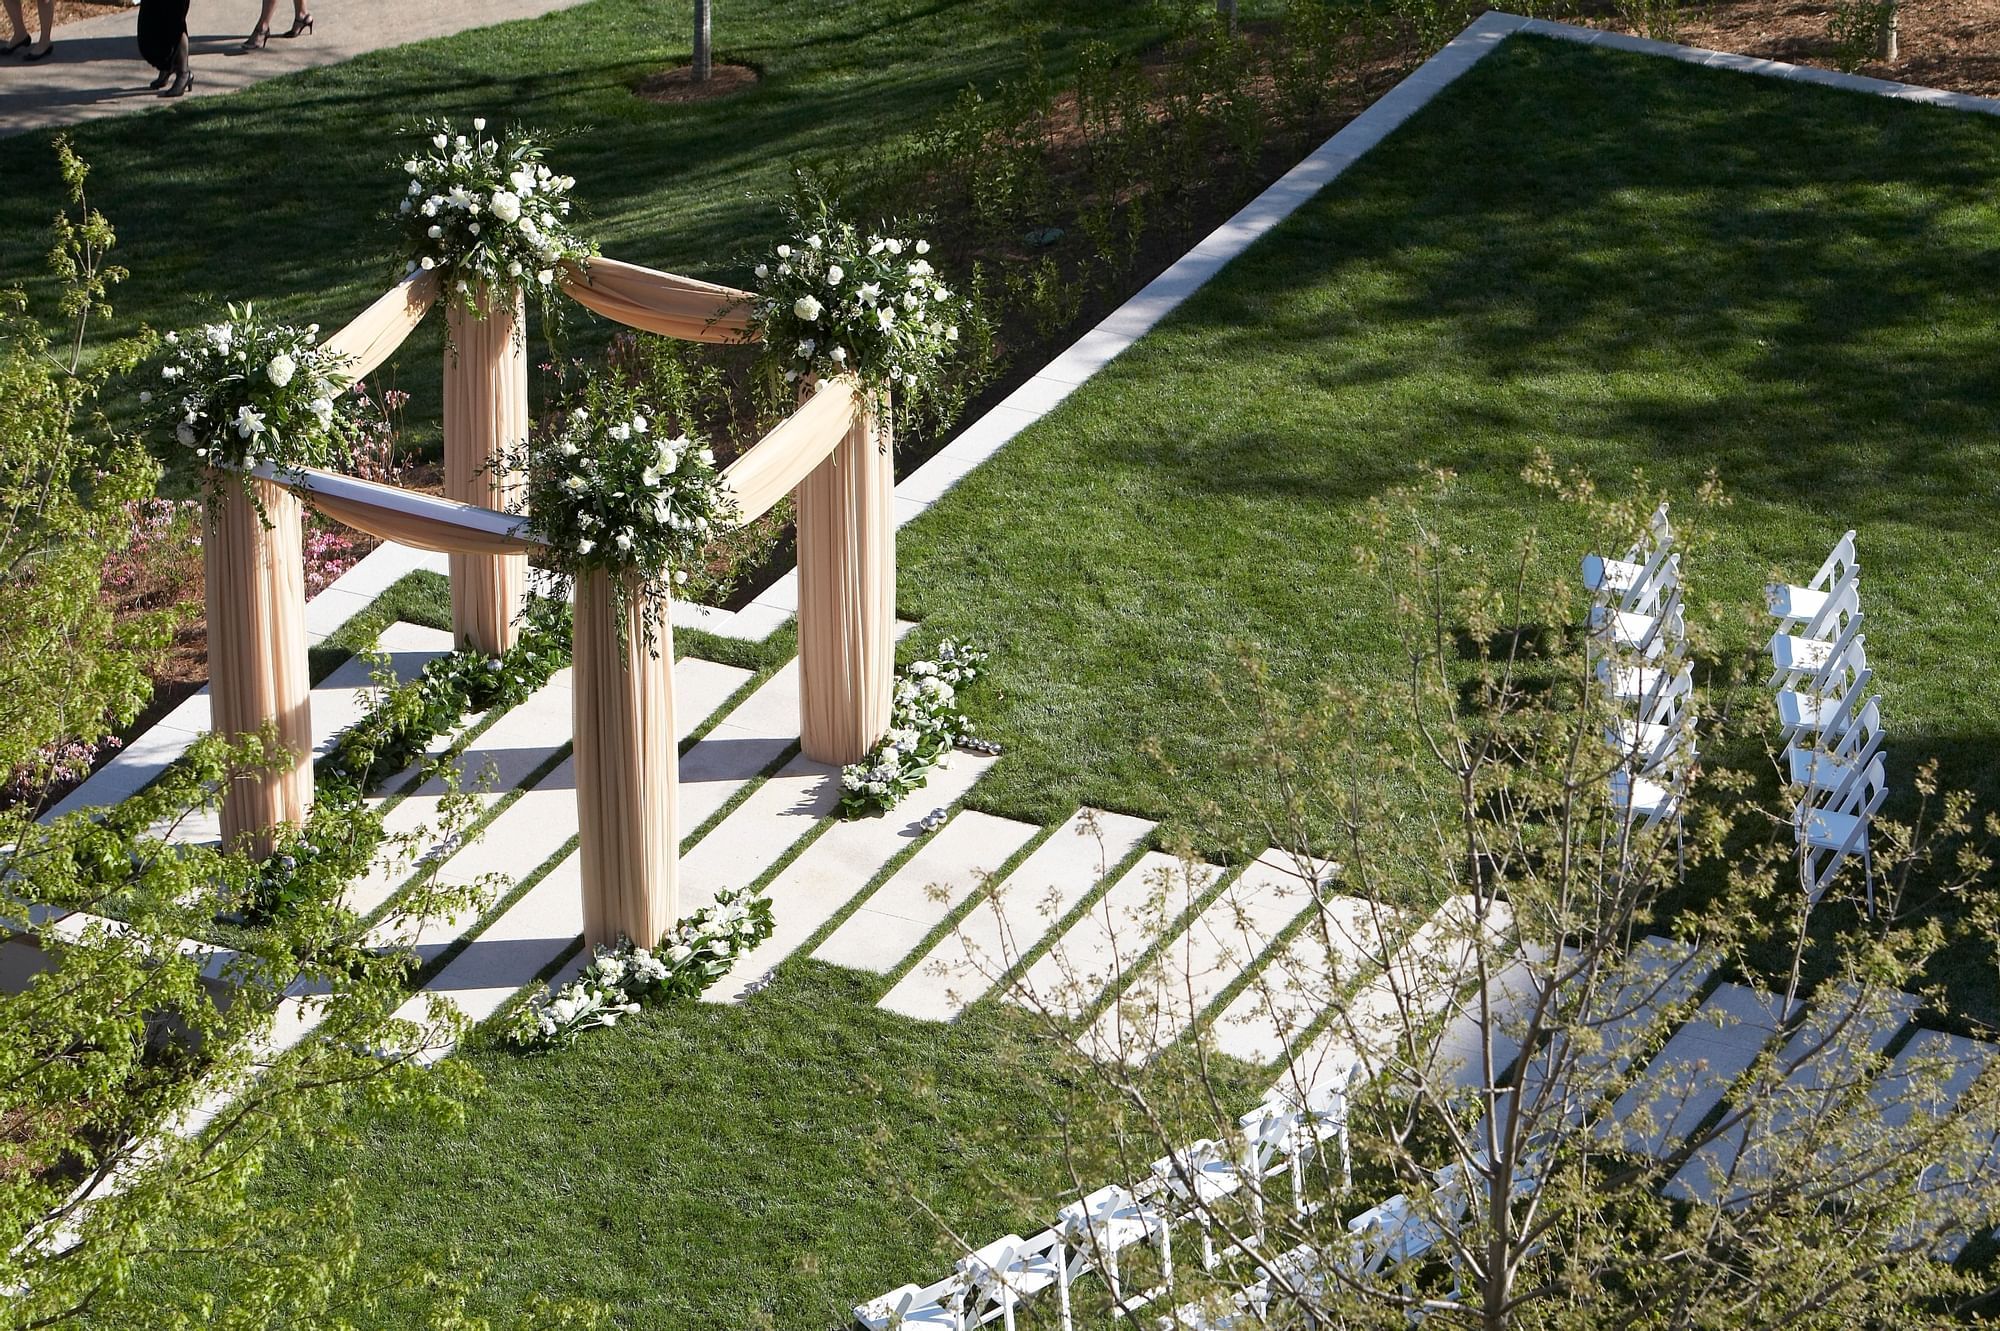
(243, 391)
(924, 725)
(833, 301)
(487, 214)
(694, 954)
(613, 488)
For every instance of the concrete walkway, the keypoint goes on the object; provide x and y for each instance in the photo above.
(96, 70)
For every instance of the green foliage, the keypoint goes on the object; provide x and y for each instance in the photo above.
(1859, 30)
(925, 724)
(69, 670)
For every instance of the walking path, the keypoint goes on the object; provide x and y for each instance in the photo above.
(96, 70)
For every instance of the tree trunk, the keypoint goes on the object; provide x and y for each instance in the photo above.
(701, 50)
(1889, 34)
(1227, 9)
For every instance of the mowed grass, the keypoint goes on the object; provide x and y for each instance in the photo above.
(284, 194)
(1628, 263)
(1633, 264)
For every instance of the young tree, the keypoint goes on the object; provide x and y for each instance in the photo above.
(702, 55)
(1479, 946)
(145, 1076)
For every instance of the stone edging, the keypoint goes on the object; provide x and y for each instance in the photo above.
(1132, 320)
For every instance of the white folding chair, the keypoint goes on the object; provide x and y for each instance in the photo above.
(1826, 706)
(1291, 1273)
(1832, 826)
(1819, 646)
(1392, 1233)
(1824, 763)
(1793, 605)
(1636, 582)
(1006, 1271)
(939, 1307)
(1644, 635)
(1099, 1227)
(1197, 1178)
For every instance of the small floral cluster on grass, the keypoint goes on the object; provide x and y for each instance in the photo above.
(488, 214)
(924, 725)
(833, 301)
(694, 955)
(613, 488)
(245, 390)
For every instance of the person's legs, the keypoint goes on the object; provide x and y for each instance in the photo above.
(183, 72)
(48, 20)
(19, 24)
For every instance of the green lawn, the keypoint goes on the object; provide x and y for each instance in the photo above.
(1627, 262)
(282, 194)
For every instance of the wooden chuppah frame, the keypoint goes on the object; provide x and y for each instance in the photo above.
(833, 452)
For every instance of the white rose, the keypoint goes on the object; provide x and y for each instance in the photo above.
(144, 397)
(546, 276)
(834, 272)
(805, 307)
(506, 206)
(623, 540)
(893, 246)
(412, 166)
(923, 247)
(639, 425)
(436, 233)
(281, 369)
(322, 409)
(763, 271)
(839, 355)
(427, 263)
(585, 546)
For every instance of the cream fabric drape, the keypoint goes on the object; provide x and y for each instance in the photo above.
(773, 467)
(659, 302)
(847, 594)
(377, 331)
(627, 766)
(485, 413)
(257, 650)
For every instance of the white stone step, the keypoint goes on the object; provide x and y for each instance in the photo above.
(537, 824)
(1097, 952)
(844, 859)
(1689, 1077)
(1629, 1002)
(1011, 921)
(742, 847)
(944, 872)
(1206, 957)
(740, 747)
(336, 703)
(1422, 979)
(1285, 998)
(1496, 1024)
(1825, 1056)
(1918, 1091)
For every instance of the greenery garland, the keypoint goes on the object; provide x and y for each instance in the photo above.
(924, 725)
(693, 955)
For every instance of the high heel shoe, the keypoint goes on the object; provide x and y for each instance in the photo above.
(255, 41)
(182, 82)
(301, 25)
(166, 76)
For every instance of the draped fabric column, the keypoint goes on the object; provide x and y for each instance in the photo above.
(485, 413)
(627, 766)
(847, 593)
(255, 567)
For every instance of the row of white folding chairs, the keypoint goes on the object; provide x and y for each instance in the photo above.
(1639, 648)
(1277, 1138)
(1830, 720)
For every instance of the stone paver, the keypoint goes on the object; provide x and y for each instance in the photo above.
(1422, 978)
(1288, 995)
(1098, 950)
(757, 833)
(1006, 927)
(96, 70)
(1459, 1058)
(944, 872)
(1920, 1088)
(1206, 957)
(1660, 974)
(740, 747)
(1689, 1077)
(839, 863)
(1825, 1061)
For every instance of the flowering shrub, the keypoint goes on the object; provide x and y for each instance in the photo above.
(245, 391)
(694, 955)
(831, 301)
(166, 540)
(612, 489)
(486, 213)
(924, 725)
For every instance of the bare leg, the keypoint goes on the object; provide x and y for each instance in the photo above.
(48, 8)
(19, 24)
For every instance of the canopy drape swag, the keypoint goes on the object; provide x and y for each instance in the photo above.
(833, 453)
